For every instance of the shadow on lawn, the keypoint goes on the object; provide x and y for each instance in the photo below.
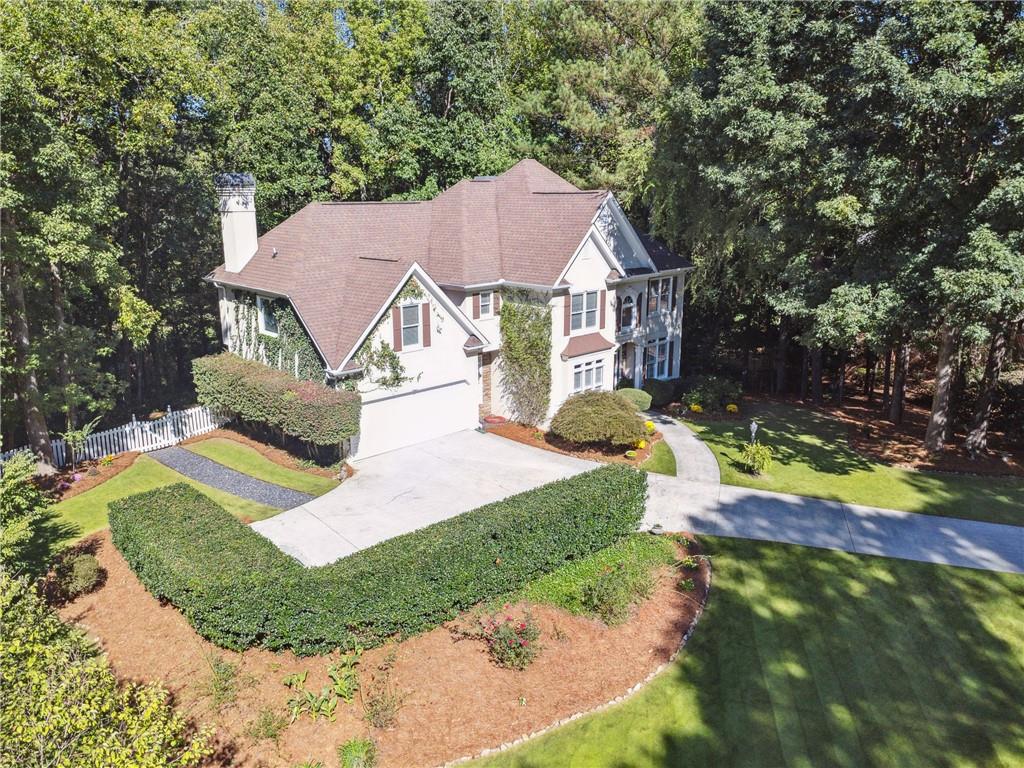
(837, 660)
(49, 538)
(786, 430)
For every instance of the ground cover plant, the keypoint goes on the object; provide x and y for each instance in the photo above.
(812, 457)
(662, 461)
(248, 460)
(812, 657)
(87, 512)
(62, 702)
(239, 590)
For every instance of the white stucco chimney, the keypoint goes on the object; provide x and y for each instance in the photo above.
(237, 193)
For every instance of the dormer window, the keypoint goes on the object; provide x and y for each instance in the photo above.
(265, 316)
(626, 320)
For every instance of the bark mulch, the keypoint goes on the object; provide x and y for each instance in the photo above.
(527, 435)
(62, 485)
(457, 702)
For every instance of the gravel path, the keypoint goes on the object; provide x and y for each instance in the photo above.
(226, 479)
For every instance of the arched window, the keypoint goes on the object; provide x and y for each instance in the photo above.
(626, 320)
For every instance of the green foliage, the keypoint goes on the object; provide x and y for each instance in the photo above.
(268, 725)
(512, 642)
(62, 701)
(237, 589)
(302, 409)
(756, 458)
(526, 355)
(712, 393)
(75, 439)
(614, 592)
(79, 574)
(292, 343)
(633, 556)
(23, 512)
(222, 684)
(662, 391)
(357, 753)
(637, 398)
(345, 675)
(598, 418)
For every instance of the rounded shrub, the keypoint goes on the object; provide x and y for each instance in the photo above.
(598, 417)
(662, 391)
(80, 574)
(639, 399)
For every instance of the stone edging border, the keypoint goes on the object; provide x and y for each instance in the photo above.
(606, 705)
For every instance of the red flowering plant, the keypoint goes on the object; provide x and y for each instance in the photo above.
(511, 641)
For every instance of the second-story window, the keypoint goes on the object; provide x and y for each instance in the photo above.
(584, 310)
(410, 325)
(659, 295)
(486, 299)
(626, 321)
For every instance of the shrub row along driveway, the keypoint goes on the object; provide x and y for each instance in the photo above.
(410, 488)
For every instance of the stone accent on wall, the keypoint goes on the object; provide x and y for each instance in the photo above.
(486, 359)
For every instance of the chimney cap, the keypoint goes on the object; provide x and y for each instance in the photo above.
(232, 181)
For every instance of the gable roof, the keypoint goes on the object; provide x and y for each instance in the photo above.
(339, 262)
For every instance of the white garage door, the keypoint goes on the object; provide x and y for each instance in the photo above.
(397, 421)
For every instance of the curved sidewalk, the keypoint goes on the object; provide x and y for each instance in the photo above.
(695, 501)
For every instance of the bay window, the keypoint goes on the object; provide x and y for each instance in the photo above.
(588, 375)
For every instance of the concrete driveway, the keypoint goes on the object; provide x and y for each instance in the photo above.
(410, 488)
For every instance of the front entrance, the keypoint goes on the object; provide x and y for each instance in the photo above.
(626, 366)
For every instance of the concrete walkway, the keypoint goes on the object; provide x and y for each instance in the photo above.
(226, 479)
(695, 501)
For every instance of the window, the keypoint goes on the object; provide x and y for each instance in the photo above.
(659, 295)
(657, 359)
(265, 313)
(626, 320)
(584, 310)
(485, 303)
(410, 325)
(588, 375)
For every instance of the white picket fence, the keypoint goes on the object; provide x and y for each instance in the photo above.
(139, 435)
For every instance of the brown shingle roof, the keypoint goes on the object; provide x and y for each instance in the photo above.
(339, 262)
(585, 345)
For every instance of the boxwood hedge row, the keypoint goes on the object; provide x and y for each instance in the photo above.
(256, 392)
(239, 590)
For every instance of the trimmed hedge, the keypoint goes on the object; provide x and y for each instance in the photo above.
(303, 409)
(598, 417)
(637, 398)
(237, 589)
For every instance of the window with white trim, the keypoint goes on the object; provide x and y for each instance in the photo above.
(659, 294)
(411, 319)
(265, 315)
(588, 375)
(486, 303)
(583, 310)
(657, 359)
(626, 320)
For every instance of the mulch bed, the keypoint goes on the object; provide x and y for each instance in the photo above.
(458, 702)
(62, 485)
(276, 455)
(549, 442)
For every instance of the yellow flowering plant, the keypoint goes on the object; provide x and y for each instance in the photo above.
(732, 408)
(695, 408)
(649, 426)
(641, 444)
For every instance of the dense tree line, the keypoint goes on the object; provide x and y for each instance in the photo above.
(847, 176)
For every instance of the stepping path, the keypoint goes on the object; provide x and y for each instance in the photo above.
(226, 479)
(695, 501)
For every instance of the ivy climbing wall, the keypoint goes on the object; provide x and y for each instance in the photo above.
(291, 350)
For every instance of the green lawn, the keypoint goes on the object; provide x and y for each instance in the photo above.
(251, 462)
(661, 460)
(87, 512)
(809, 657)
(813, 458)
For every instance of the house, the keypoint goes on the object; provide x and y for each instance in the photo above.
(425, 282)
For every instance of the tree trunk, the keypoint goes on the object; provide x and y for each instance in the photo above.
(899, 383)
(804, 366)
(977, 436)
(63, 367)
(841, 378)
(870, 366)
(816, 393)
(780, 359)
(935, 435)
(887, 380)
(35, 423)
(958, 386)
